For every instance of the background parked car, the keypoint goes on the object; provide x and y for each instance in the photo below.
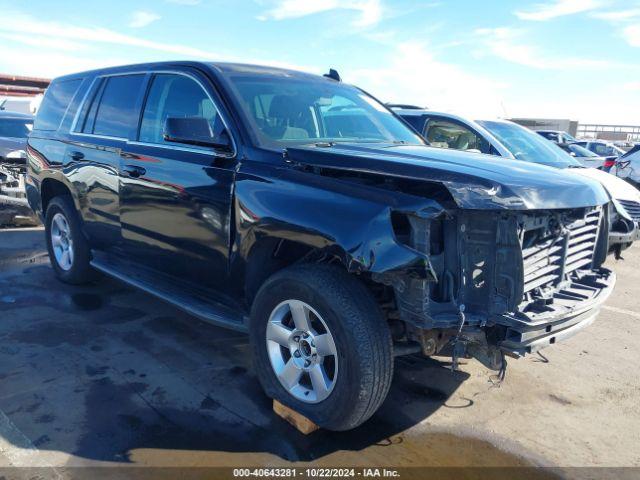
(557, 136)
(14, 129)
(587, 157)
(627, 167)
(508, 139)
(602, 148)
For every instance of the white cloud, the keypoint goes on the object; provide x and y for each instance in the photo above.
(617, 15)
(58, 44)
(27, 26)
(51, 63)
(633, 86)
(632, 35)
(431, 82)
(185, 2)
(141, 18)
(503, 42)
(369, 11)
(558, 8)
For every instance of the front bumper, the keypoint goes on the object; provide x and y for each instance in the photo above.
(571, 309)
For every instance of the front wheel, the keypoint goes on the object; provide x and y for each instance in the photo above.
(321, 345)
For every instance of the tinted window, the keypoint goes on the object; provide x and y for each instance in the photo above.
(446, 134)
(15, 127)
(580, 151)
(603, 150)
(175, 96)
(416, 121)
(55, 103)
(116, 113)
(90, 108)
(549, 135)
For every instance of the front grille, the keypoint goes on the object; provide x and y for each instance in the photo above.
(632, 208)
(547, 259)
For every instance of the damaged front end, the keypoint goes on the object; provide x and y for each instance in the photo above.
(501, 282)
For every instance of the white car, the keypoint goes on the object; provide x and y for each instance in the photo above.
(628, 167)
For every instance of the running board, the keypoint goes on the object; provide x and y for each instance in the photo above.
(208, 310)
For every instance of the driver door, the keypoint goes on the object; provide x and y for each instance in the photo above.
(175, 199)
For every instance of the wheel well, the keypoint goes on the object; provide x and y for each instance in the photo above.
(51, 188)
(272, 255)
(269, 256)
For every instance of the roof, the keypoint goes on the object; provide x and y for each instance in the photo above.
(223, 68)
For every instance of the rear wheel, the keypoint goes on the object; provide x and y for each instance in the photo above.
(321, 345)
(68, 248)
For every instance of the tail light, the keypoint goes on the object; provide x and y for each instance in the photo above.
(608, 163)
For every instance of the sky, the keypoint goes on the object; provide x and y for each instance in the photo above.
(576, 59)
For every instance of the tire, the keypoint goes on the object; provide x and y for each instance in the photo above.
(75, 269)
(359, 373)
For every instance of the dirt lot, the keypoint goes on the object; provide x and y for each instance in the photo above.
(106, 375)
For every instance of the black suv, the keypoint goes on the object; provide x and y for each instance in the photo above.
(302, 210)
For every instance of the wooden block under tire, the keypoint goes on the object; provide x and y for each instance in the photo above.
(302, 423)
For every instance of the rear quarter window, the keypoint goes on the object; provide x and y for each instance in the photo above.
(55, 103)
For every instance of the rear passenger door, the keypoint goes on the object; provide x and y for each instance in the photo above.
(175, 199)
(98, 134)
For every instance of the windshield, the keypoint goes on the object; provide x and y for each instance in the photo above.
(568, 138)
(529, 146)
(581, 151)
(15, 127)
(286, 111)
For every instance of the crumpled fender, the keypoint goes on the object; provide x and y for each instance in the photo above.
(344, 219)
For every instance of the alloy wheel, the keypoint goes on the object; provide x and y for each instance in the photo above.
(302, 351)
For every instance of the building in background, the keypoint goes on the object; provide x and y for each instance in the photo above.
(564, 125)
(21, 94)
(612, 133)
(620, 133)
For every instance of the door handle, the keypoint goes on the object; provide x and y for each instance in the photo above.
(76, 156)
(133, 171)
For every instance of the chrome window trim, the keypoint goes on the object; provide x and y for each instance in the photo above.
(96, 135)
(183, 148)
(205, 150)
(72, 128)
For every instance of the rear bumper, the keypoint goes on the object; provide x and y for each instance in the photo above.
(570, 310)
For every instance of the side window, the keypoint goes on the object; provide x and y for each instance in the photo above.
(172, 95)
(446, 134)
(55, 103)
(601, 149)
(113, 110)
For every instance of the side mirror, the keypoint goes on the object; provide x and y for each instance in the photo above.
(194, 131)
